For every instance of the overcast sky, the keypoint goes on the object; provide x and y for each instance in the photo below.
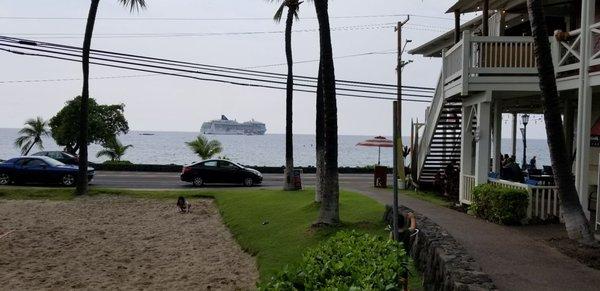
(172, 104)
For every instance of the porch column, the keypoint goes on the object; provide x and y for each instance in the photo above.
(514, 136)
(486, 18)
(482, 147)
(456, 26)
(497, 136)
(466, 145)
(584, 106)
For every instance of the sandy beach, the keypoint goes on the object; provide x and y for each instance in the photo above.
(119, 243)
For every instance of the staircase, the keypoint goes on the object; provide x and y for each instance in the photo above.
(441, 143)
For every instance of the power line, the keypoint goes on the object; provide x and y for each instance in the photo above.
(153, 67)
(217, 19)
(205, 66)
(204, 34)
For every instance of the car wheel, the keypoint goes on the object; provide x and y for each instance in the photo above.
(4, 179)
(68, 180)
(248, 182)
(198, 181)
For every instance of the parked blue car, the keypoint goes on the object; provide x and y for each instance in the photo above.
(39, 170)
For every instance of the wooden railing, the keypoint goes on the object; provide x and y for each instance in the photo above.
(432, 116)
(502, 55)
(453, 63)
(466, 191)
(567, 53)
(543, 200)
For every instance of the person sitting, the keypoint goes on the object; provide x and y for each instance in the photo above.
(532, 163)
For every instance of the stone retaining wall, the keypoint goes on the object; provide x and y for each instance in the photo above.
(443, 262)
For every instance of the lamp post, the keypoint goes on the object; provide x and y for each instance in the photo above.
(525, 120)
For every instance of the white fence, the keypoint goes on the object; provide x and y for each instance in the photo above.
(503, 55)
(567, 54)
(543, 200)
(466, 189)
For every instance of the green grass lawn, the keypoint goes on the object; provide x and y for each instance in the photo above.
(273, 225)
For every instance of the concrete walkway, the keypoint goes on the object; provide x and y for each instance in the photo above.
(516, 258)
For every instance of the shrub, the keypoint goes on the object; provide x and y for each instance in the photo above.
(347, 261)
(118, 163)
(500, 205)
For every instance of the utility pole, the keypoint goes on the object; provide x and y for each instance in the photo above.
(401, 176)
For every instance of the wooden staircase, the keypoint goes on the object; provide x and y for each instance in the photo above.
(445, 143)
(441, 141)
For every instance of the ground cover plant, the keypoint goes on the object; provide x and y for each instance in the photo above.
(346, 261)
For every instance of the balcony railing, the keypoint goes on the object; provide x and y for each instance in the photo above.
(488, 56)
(567, 53)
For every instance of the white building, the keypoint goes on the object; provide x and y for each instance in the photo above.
(489, 69)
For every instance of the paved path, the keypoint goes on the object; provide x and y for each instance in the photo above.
(516, 258)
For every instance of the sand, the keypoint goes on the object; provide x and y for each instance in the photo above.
(118, 243)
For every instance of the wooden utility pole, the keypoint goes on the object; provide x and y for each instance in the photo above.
(398, 124)
(395, 173)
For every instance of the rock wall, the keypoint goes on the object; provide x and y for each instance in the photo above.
(443, 262)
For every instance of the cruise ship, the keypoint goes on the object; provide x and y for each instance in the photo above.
(224, 126)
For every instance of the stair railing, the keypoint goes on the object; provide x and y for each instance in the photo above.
(433, 115)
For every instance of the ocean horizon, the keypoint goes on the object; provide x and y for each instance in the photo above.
(168, 147)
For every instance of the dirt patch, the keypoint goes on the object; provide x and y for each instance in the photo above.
(588, 255)
(119, 243)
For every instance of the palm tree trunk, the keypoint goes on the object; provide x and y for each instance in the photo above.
(320, 138)
(575, 221)
(329, 211)
(289, 142)
(82, 181)
(30, 147)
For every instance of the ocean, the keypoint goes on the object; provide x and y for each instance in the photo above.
(150, 147)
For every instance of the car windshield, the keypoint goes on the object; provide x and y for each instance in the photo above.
(52, 162)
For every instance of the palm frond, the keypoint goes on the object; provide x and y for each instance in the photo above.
(279, 13)
(134, 5)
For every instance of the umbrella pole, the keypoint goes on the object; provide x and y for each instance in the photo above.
(379, 157)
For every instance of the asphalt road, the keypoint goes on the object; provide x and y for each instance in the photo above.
(144, 180)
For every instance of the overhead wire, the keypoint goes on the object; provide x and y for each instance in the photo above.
(138, 63)
(209, 67)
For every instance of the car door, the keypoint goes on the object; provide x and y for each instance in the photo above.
(20, 173)
(209, 171)
(229, 173)
(35, 171)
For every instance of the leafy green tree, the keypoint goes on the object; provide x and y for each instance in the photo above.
(82, 181)
(31, 135)
(105, 123)
(293, 6)
(205, 148)
(114, 150)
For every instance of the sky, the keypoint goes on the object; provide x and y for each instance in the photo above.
(163, 103)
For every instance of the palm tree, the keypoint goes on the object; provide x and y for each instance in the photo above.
(576, 223)
(114, 150)
(330, 190)
(293, 7)
(319, 138)
(31, 135)
(82, 181)
(204, 148)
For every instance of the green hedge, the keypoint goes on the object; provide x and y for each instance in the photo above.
(347, 261)
(500, 205)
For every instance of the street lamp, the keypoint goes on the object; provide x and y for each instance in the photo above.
(525, 120)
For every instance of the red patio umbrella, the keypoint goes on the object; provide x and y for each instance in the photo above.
(379, 142)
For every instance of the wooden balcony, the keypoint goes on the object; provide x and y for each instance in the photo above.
(480, 63)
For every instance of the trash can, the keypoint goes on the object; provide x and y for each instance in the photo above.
(298, 179)
(380, 179)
